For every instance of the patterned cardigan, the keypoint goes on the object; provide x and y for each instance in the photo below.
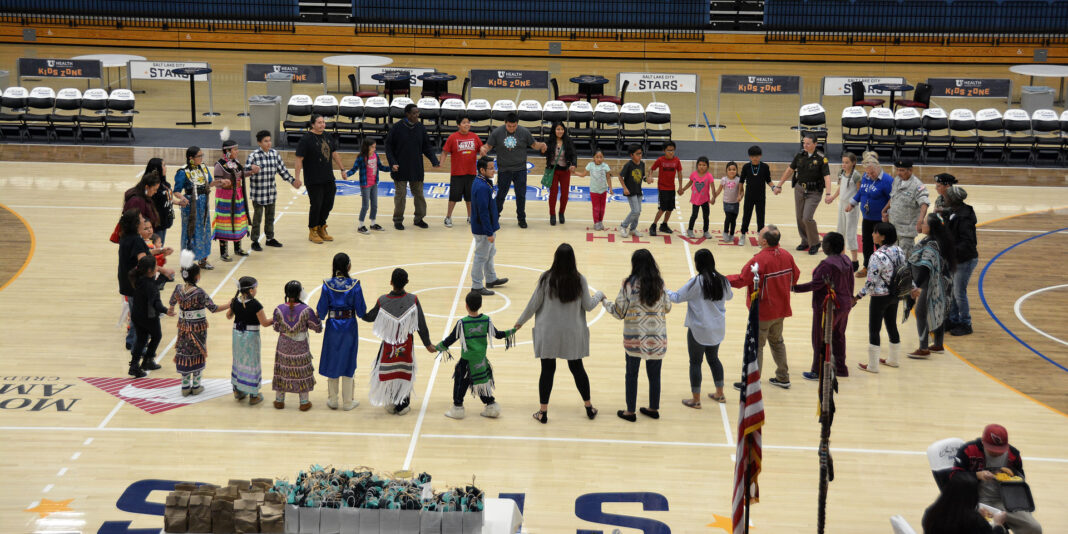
(644, 327)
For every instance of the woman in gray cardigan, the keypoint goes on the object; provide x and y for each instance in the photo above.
(559, 304)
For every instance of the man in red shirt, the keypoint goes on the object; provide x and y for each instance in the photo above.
(463, 146)
(667, 167)
(778, 275)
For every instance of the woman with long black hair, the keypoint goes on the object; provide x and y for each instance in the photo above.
(560, 155)
(195, 181)
(642, 305)
(164, 199)
(559, 305)
(706, 295)
(933, 261)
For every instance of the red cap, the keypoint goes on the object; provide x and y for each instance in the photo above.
(995, 439)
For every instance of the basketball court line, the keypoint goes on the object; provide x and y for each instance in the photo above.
(1019, 315)
(33, 246)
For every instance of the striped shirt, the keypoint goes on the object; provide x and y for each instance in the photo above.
(261, 186)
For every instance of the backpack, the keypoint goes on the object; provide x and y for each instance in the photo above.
(900, 281)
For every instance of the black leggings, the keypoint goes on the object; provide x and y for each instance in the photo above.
(652, 372)
(148, 337)
(866, 228)
(548, 372)
(730, 220)
(697, 352)
(882, 310)
(704, 213)
(748, 205)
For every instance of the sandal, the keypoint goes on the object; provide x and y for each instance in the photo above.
(591, 412)
(718, 398)
(690, 403)
(541, 417)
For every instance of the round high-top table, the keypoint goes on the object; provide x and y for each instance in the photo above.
(590, 85)
(110, 61)
(1043, 70)
(192, 73)
(436, 83)
(893, 88)
(394, 81)
(355, 61)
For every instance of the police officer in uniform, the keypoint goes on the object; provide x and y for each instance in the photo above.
(813, 176)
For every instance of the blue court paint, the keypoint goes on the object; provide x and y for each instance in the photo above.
(982, 297)
(710, 132)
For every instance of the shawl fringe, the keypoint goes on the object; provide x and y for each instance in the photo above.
(391, 391)
(395, 330)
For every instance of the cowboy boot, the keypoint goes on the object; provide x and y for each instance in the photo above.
(331, 393)
(323, 235)
(238, 250)
(313, 235)
(348, 402)
(224, 255)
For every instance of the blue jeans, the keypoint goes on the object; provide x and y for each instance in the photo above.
(369, 197)
(162, 236)
(958, 308)
(631, 221)
(482, 263)
(519, 179)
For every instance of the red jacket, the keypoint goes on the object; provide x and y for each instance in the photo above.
(972, 458)
(778, 274)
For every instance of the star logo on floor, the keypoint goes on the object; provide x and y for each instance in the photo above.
(155, 395)
(724, 523)
(46, 507)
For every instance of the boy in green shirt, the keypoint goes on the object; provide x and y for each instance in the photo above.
(475, 333)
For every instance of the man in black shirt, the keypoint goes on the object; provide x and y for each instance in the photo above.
(317, 153)
(813, 176)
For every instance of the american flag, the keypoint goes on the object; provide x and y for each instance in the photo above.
(750, 421)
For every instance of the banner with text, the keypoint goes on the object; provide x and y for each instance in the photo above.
(257, 72)
(744, 84)
(510, 79)
(659, 82)
(164, 70)
(60, 68)
(839, 85)
(366, 74)
(971, 87)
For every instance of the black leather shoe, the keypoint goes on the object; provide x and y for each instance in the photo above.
(522, 224)
(257, 247)
(802, 247)
(814, 249)
(398, 226)
(422, 224)
(483, 291)
(497, 282)
(273, 243)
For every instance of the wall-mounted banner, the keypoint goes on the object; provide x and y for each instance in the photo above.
(659, 82)
(257, 72)
(510, 79)
(759, 84)
(366, 74)
(164, 70)
(971, 87)
(59, 68)
(840, 85)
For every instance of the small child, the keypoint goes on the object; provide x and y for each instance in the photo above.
(191, 349)
(475, 332)
(667, 166)
(702, 195)
(367, 165)
(396, 316)
(248, 316)
(293, 370)
(631, 178)
(484, 226)
(144, 314)
(731, 187)
(600, 174)
(756, 178)
(160, 253)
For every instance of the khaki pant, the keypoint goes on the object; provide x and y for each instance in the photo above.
(771, 333)
(262, 213)
(805, 204)
(400, 198)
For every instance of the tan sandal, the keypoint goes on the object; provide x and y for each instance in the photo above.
(690, 403)
(722, 399)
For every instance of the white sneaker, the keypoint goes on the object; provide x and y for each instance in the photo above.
(707, 235)
(492, 411)
(625, 233)
(448, 222)
(455, 412)
(689, 234)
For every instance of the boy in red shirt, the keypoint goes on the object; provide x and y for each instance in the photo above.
(463, 146)
(667, 167)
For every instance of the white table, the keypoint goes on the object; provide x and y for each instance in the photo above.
(1043, 70)
(109, 61)
(501, 516)
(355, 61)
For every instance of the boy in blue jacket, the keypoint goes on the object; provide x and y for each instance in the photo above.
(484, 225)
(367, 165)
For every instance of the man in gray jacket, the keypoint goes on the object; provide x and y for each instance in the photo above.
(907, 206)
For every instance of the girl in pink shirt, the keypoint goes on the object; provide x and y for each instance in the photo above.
(731, 187)
(702, 195)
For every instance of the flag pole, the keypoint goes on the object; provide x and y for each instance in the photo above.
(748, 483)
(828, 384)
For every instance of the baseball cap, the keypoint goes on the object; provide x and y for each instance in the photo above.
(995, 439)
(903, 164)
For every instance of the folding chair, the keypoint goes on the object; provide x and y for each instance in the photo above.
(580, 115)
(606, 131)
(66, 124)
(989, 121)
(934, 120)
(856, 137)
(94, 124)
(812, 120)
(962, 135)
(41, 103)
(351, 108)
(657, 114)
(298, 112)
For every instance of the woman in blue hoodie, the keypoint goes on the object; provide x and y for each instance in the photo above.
(367, 165)
(872, 196)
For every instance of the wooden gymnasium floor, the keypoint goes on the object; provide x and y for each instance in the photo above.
(72, 446)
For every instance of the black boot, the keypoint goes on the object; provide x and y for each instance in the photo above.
(224, 255)
(148, 363)
(135, 370)
(238, 250)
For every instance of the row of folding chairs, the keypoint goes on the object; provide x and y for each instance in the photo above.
(605, 126)
(42, 113)
(986, 136)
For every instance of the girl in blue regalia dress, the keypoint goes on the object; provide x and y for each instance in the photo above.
(340, 303)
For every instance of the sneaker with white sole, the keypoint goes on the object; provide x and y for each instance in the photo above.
(707, 235)
(625, 233)
(776, 382)
(448, 222)
(689, 234)
(492, 411)
(363, 230)
(455, 412)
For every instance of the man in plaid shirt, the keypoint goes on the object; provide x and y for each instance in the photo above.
(262, 190)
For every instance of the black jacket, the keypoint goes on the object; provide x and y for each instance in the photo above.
(570, 158)
(961, 226)
(406, 145)
(146, 303)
